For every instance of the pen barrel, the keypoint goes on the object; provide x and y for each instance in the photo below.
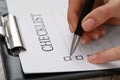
(87, 8)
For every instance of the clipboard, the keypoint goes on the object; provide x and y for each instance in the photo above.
(13, 70)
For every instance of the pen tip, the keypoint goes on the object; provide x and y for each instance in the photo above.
(74, 44)
(71, 52)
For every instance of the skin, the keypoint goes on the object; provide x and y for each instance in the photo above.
(104, 12)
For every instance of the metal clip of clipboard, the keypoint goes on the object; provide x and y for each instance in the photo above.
(10, 31)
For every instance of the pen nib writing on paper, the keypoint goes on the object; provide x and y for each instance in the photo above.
(79, 31)
(74, 44)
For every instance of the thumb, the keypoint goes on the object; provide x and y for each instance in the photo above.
(97, 17)
(105, 56)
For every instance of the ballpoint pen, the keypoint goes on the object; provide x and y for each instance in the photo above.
(79, 31)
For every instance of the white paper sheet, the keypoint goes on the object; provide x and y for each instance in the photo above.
(45, 33)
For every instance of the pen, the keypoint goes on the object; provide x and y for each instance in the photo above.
(79, 31)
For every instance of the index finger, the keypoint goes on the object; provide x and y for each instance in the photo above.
(74, 9)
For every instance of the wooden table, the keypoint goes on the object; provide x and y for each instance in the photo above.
(3, 10)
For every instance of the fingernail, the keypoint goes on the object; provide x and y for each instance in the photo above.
(71, 28)
(82, 41)
(92, 58)
(88, 24)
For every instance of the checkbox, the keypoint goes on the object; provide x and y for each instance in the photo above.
(67, 58)
(79, 57)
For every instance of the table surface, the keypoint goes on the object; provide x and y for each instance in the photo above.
(3, 9)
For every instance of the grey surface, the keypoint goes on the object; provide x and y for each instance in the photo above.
(3, 10)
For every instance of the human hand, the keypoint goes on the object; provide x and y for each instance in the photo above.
(105, 11)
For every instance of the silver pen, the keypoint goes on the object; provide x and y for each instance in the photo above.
(79, 31)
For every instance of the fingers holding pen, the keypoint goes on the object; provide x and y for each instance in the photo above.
(104, 11)
(101, 14)
(95, 18)
(92, 35)
(74, 10)
(108, 11)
